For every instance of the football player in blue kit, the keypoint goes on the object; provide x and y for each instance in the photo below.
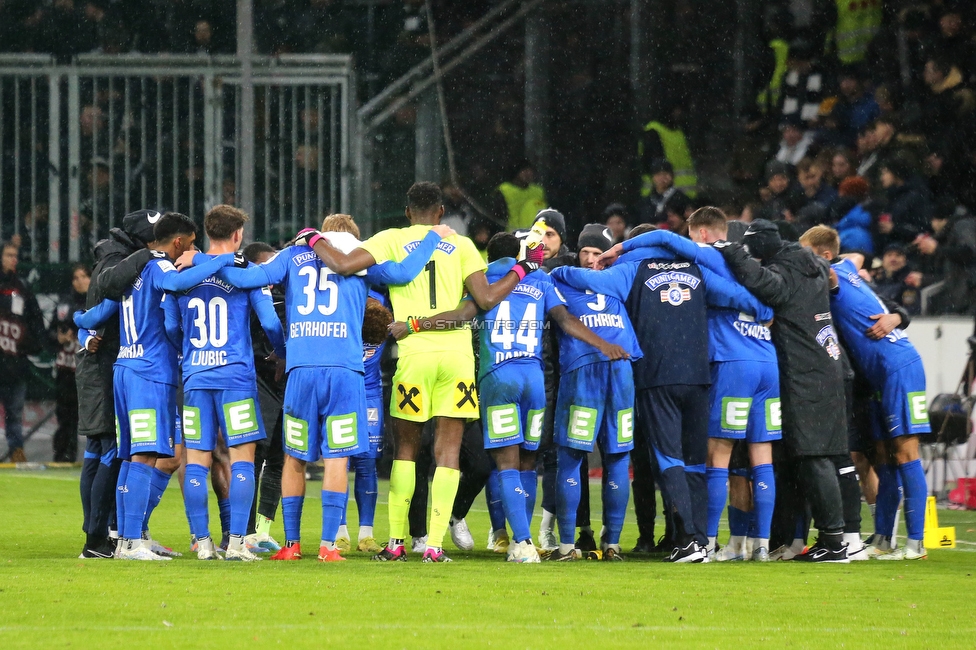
(744, 394)
(594, 405)
(666, 301)
(511, 381)
(325, 399)
(219, 386)
(893, 368)
(146, 372)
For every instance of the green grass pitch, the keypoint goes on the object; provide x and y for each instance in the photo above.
(48, 598)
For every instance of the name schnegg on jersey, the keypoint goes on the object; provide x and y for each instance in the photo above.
(746, 326)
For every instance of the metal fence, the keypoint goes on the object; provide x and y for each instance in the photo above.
(85, 143)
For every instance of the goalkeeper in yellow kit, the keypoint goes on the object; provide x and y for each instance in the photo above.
(435, 373)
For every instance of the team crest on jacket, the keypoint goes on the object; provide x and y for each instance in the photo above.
(675, 285)
(827, 339)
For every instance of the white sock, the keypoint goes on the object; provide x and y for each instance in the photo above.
(548, 521)
(343, 532)
(872, 507)
(712, 541)
(566, 549)
(364, 532)
(762, 542)
(329, 546)
(615, 547)
(853, 541)
(914, 545)
(737, 543)
(393, 543)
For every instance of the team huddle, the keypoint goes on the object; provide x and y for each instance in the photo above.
(729, 365)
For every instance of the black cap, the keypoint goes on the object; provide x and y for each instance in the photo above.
(777, 168)
(763, 239)
(555, 220)
(896, 248)
(139, 225)
(661, 165)
(595, 235)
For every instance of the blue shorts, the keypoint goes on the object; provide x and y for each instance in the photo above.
(325, 413)
(596, 402)
(903, 401)
(145, 415)
(513, 405)
(235, 413)
(374, 426)
(744, 400)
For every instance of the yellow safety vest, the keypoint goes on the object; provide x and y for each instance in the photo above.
(768, 99)
(522, 203)
(676, 151)
(857, 23)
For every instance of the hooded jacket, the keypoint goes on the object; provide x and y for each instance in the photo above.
(118, 262)
(21, 328)
(795, 283)
(854, 227)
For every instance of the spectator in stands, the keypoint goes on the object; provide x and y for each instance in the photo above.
(63, 30)
(64, 334)
(518, 200)
(779, 196)
(803, 86)
(458, 213)
(664, 139)
(948, 103)
(795, 142)
(653, 207)
(953, 43)
(842, 165)
(855, 107)
(877, 143)
(950, 254)
(810, 173)
(615, 216)
(896, 280)
(897, 54)
(907, 210)
(853, 220)
(21, 327)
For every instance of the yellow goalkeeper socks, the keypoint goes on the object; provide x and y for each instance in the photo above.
(443, 489)
(403, 477)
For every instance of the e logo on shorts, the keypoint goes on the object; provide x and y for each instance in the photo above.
(582, 423)
(918, 407)
(503, 422)
(191, 423)
(735, 413)
(296, 433)
(774, 414)
(142, 425)
(343, 431)
(625, 426)
(535, 420)
(240, 417)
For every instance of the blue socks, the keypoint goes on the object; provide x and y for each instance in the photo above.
(513, 501)
(493, 497)
(889, 495)
(135, 496)
(158, 484)
(567, 492)
(241, 496)
(333, 503)
(738, 521)
(718, 492)
(763, 498)
(916, 491)
(224, 506)
(119, 497)
(291, 512)
(616, 493)
(530, 483)
(366, 490)
(195, 492)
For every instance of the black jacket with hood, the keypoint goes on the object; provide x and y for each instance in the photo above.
(796, 283)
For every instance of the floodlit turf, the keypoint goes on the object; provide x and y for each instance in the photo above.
(48, 598)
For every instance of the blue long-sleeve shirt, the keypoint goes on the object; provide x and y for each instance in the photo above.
(734, 335)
